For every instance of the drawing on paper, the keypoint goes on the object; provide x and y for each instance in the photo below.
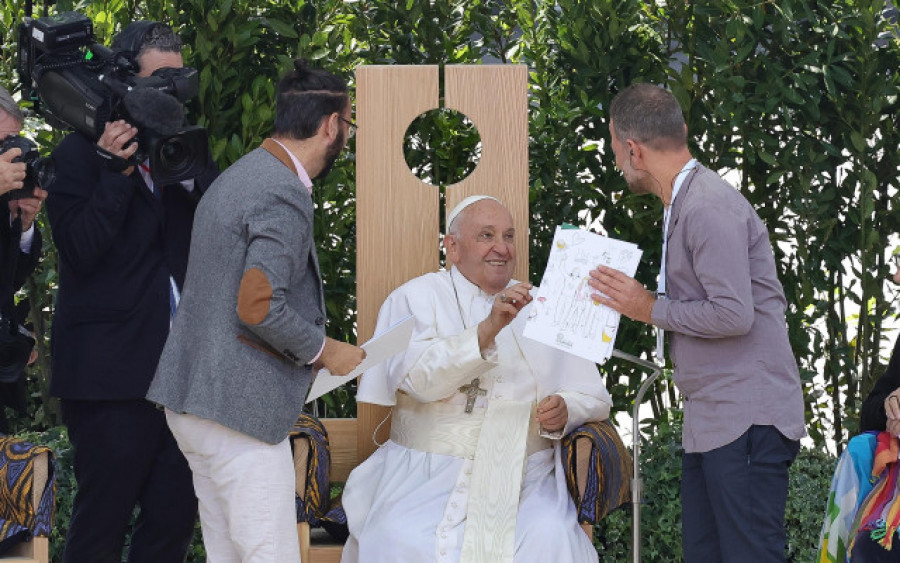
(563, 314)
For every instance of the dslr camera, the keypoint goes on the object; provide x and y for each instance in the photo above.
(39, 171)
(80, 84)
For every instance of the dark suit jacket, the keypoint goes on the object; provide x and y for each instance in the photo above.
(118, 244)
(873, 416)
(25, 262)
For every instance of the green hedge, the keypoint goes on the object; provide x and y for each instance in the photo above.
(798, 100)
(660, 515)
(58, 440)
(810, 479)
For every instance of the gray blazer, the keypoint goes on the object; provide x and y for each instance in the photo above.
(248, 375)
(725, 317)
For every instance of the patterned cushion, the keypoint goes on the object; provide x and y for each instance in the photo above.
(316, 505)
(18, 518)
(608, 484)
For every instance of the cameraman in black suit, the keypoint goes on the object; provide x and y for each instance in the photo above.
(20, 249)
(123, 246)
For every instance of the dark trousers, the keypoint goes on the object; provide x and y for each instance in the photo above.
(733, 498)
(125, 456)
(867, 550)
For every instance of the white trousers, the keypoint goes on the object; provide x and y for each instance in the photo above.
(245, 489)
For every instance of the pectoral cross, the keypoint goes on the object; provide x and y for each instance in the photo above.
(472, 391)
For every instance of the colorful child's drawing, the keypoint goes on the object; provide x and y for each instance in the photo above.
(564, 314)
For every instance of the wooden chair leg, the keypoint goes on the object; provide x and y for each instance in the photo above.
(36, 550)
(589, 530)
(303, 536)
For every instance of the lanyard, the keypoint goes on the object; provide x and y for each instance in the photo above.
(661, 286)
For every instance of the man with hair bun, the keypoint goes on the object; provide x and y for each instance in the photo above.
(123, 245)
(250, 331)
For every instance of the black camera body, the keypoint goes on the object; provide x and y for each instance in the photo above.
(15, 349)
(79, 84)
(39, 171)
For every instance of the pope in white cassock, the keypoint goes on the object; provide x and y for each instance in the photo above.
(472, 470)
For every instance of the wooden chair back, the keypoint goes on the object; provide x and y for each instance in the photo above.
(398, 215)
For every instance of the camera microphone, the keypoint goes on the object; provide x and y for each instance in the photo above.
(155, 110)
(176, 152)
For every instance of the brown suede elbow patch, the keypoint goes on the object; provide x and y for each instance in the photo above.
(254, 297)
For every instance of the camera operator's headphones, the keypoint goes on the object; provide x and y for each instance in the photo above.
(128, 42)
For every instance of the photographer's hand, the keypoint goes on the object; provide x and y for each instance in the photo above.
(28, 207)
(116, 135)
(12, 174)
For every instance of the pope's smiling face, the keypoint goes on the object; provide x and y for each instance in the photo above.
(482, 245)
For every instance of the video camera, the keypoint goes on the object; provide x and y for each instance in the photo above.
(38, 171)
(83, 85)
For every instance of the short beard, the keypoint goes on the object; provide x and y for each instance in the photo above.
(331, 156)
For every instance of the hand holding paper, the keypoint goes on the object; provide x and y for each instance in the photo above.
(506, 307)
(381, 347)
(339, 357)
(566, 312)
(622, 293)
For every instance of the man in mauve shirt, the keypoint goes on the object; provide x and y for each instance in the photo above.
(722, 305)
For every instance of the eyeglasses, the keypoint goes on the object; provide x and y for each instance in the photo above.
(351, 124)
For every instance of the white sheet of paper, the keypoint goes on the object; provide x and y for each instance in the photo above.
(563, 315)
(378, 349)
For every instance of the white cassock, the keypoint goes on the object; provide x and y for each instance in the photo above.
(486, 486)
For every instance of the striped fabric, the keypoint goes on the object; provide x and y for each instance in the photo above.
(879, 514)
(608, 472)
(317, 506)
(18, 519)
(849, 486)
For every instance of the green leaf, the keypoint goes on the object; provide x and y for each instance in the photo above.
(282, 28)
(767, 158)
(859, 144)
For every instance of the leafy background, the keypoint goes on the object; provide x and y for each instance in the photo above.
(795, 101)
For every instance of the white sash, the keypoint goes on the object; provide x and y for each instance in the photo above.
(490, 534)
(498, 439)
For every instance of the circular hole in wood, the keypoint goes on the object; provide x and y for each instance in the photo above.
(442, 147)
